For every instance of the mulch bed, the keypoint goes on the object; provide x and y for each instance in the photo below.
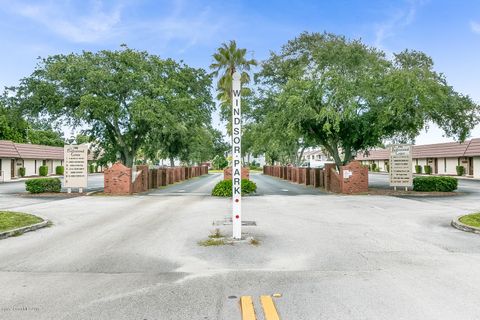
(410, 193)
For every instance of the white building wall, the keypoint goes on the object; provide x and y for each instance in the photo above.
(6, 169)
(452, 164)
(441, 166)
(476, 167)
(29, 166)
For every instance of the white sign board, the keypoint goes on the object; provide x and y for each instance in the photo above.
(75, 174)
(401, 173)
(236, 157)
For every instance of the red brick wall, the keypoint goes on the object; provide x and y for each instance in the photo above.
(227, 173)
(118, 179)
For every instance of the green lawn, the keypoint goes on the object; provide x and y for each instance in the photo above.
(472, 220)
(12, 220)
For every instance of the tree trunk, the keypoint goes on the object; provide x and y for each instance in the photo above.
(127, 158)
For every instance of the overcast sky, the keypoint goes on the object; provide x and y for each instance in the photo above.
(447, 30)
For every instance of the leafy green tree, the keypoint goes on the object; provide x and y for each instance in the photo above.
(347, 97)
(128, 99)
(12, 126)
(46, 137)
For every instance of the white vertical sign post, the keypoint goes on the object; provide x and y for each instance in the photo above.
(236, 158)
(401, 174)
(75, 174)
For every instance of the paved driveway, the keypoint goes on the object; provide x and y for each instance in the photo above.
(330, 256)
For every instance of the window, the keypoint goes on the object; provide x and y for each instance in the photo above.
(444, 164)
(35, 166)
(0, 167)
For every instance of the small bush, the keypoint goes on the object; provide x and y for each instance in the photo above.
(428, 169)
(43, 171)
(224, 188)
(59, 170)
(440, 184)
(418, 169)
(91, 168)
(43, 185)
(374, 167)
(21, 172)
(460, 170)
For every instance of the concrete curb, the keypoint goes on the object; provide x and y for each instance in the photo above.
(18, 231)
(463, 227)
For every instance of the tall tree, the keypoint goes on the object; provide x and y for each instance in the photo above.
(125, 97)
(227, 60)
(348, 97)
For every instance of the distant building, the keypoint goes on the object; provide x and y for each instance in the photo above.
(442, 157)
(314, 157)
(14, 156)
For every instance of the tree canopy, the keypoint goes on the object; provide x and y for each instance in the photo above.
(348, 97)
(127, 99)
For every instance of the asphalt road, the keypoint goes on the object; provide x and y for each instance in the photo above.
(330, 256)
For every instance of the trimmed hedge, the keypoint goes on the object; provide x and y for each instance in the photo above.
(59, 170)
(21, 172)
(224, 188)
(460, 170)
(428, 169)
(418, 169)
(43, 171)
(91, 168)
(43, 185)
(439, 184)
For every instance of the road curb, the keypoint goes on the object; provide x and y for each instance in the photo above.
(18, 231)
(463, 227)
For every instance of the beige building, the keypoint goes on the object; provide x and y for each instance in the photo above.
(442, 157)
(14, 156)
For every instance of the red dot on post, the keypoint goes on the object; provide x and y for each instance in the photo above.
(236, 200)
(237, 216)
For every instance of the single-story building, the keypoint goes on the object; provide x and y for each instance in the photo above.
(14, 156)
(442, 157)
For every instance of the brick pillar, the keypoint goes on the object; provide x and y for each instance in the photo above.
(327, 175)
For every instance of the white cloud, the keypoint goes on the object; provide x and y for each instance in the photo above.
(475, 26)
(94, 21)
(95, 24)
(399, 20)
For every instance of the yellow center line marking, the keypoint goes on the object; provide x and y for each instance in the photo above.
(269, 308)
(248, 312)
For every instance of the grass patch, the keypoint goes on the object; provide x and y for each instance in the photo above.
(215, 171)
(12, 220)
(472, 220)
(212, 242)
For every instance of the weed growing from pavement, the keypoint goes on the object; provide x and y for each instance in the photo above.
(254, 242)
(216, 234)
(212, 242)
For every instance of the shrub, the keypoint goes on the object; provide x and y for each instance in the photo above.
(43, 185)
(43, 171)
(374, 167)
(219, 162)
(59, 170)
(224, 188)
(21, 172)
(443, 184)
(428, 169)
(91, 168)
(387, 167)
(460, 170)
(418, 169)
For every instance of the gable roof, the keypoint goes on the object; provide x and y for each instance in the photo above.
(468, 148)
(7, 149)
(35, 151)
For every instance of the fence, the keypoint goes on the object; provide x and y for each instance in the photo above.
(351, 178)
(119, 179)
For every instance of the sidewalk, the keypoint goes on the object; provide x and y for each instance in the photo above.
(49, 176)
(434, 175)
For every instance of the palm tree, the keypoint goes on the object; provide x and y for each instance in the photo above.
(227, 60)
